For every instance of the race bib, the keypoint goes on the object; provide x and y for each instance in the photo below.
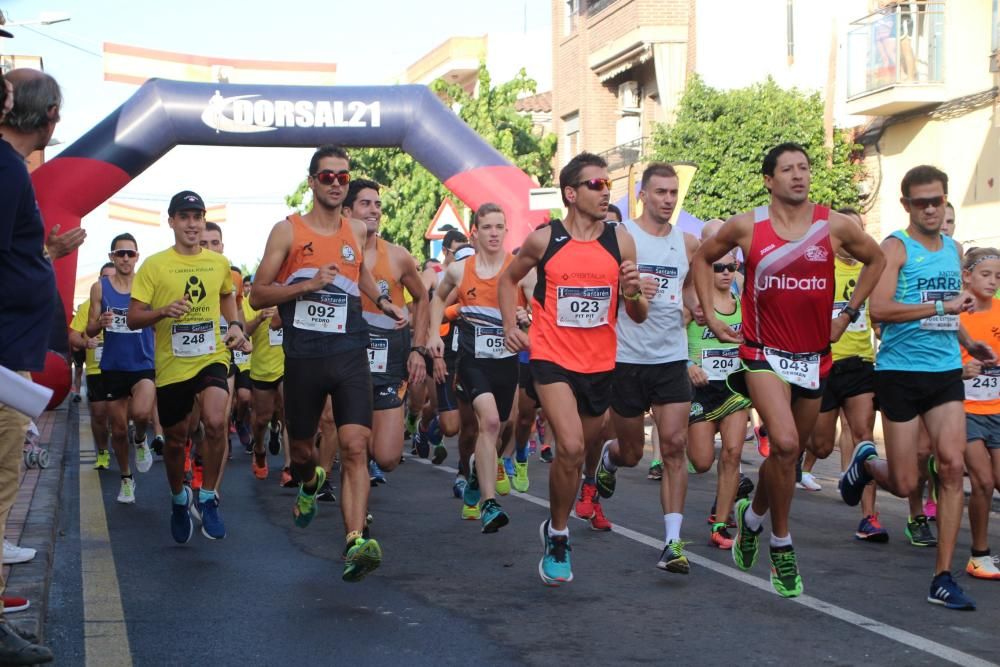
(984, 387)
(938, 322)
(378, 354)
(489, 343)
(193, 339)
(582, 307)
(98, 353)
(275, 337)
(240, 357)
(800, 369)
(669, 287)
(321, 311)
(118, 324)
(861, 324)
(718, 364)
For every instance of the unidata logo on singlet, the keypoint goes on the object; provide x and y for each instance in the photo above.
(791, 283)
(244, 114)
(708, 335)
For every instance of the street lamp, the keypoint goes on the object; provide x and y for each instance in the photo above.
(45, 18)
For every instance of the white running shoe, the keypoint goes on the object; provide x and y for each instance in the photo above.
(981, 567)
(808, 482)
(127, 493)
(14, 554)
(143, 457)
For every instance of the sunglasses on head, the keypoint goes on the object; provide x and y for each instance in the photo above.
(124, 253)
(732, 267)
(327, 177)
(921, 203)
(597, 184)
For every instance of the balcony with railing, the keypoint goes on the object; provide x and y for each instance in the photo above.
(626, 154)
(895, 59)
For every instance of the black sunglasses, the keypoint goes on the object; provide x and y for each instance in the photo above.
(597, 184)
(327, 177)
(921, 203)
(732, 267)
(124, 253)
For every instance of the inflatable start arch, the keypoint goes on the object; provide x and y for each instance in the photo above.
(163, 114)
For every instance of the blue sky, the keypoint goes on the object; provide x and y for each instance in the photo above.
(370, 41)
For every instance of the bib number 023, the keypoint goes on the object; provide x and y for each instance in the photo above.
(582, 307)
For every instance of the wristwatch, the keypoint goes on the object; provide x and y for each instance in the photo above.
(852, 313)
(420, 349)
(381, 298)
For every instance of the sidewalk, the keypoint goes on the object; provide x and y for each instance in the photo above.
(32, 521)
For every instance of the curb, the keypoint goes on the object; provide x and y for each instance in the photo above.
(32, 579)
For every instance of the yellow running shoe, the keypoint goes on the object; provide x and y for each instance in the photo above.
(103, 460)
(470, 512)
(521, 481)
(362, 558)
(503, 482)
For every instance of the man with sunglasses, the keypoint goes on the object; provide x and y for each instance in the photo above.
(314, 271)
(786, 333)
(651, 365)
(182, 292)
(584, 267)
(127, 362)
(918, 369)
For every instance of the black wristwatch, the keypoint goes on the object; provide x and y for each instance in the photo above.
(238, 324)
(419, 349)
(852, 313)
(381, 297)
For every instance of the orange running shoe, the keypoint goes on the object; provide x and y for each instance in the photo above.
(763, 444)
(286, 478)
(599, 522)
(196, 475)
(187, 456)
(721, 538)
(585, 505)
(259, 468)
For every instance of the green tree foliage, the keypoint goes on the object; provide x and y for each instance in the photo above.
(411, 195)
(727, 133)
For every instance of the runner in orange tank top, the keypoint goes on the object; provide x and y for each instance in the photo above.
(584, 265)
(313, 270)
(785, 383)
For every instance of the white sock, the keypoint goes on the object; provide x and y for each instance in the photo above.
(785, 541)
(611, 467)
(753, 520)
(672, 522)
(553, 532)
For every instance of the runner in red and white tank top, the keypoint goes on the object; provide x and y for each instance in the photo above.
(789, 290)
(787, 331)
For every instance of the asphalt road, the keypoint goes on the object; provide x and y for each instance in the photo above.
(271, 593)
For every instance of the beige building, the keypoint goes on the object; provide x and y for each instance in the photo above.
(926, 72)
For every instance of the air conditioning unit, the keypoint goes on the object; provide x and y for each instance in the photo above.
(629, 97)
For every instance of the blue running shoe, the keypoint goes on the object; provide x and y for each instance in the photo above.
(853, 483)
(434, 433)
(421, 443)
(944, 591)
(458, 488)
(181, 524)
(508, 466)
(375, 474)
(493, 516)
(554, 567)
(211, 523)
(470, 494)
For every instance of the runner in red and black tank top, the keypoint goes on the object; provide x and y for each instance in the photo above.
(788, 296)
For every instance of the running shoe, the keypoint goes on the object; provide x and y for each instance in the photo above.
(232, 428)
(540, 429)
(808, 482)
(103, 460)
(598, 521)
(325, 493)
(76, 398)
(933, 481)
(274, 438)
(470, 512)
(785, 572)
(672, 558)
(545, 454)
(410, 424)
(870, 530)
(720, 537)
(763, 442)
(287, 481)
(187, 456)
(375, 474)
(458, 488)
(471, 494)
(243, 431)
(126, 493)
(980, 567)
(439, 454)
(691, 468)
(508, 466)
(554, 567)
(421, 443)
(520, 480)
(305, 504)
(181, 525)
(854, 480)
(945, 591)
(143, 457)
(918, 531)
(584, 507)
(434, 433)
(503, 481)
(212, 526)
(713, 519)
(197, 474)
(493, 516)
(13, 554)
(746, 543)
(930, 510)
(606, 479)
(158, 444)
(361, 559)
(15, 603)
(655, 470)
(744, 489)
(258, 465)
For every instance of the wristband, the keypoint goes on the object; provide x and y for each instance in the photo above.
(852, 313)
(382, 297)
(939, 307)
(238, 324)
(634, 297)
(419, 349)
